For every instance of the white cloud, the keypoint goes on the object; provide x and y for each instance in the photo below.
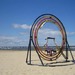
(70, 33)
(52, 32)
(22, 26)
(49, 32)
(45, 31)
(12, 41)
(23, 33)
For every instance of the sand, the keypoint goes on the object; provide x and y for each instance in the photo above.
(13, 63)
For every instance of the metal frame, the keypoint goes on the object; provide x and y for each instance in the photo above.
(28, 58)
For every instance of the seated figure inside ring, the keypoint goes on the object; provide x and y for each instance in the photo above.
(50, 51)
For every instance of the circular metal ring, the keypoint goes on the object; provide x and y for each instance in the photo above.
(39, 22)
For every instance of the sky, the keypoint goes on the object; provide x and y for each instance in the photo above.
(17, 17)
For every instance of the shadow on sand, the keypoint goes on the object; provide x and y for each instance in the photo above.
(55, 64)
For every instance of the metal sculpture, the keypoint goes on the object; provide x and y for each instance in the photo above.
(49, 54)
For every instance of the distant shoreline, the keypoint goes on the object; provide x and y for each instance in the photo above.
(25, 48)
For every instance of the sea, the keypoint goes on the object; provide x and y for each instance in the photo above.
(26, 47)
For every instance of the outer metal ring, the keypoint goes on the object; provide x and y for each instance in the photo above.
(35, 28)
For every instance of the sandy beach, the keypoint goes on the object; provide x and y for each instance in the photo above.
(13, 63)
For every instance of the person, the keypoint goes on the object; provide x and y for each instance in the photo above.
(48, 50)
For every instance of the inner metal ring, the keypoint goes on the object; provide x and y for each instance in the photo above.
(39, 22)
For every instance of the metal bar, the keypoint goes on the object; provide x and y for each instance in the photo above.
(66, 52)
(63, 55)
(70, 52)
(38, 54)
(28, 52)
(49, 38)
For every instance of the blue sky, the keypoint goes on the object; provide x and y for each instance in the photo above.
(17, 16)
